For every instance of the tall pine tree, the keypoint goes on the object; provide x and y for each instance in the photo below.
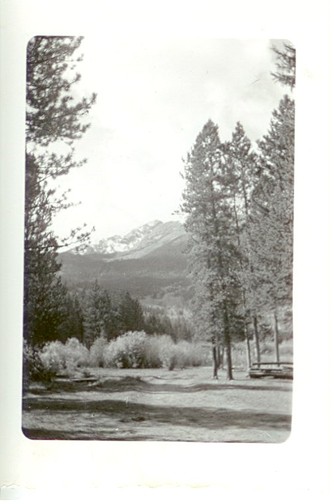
(207, 205)
(97, 314)
(240, 163)
(272, 201)
(272, 215)
(54, 121)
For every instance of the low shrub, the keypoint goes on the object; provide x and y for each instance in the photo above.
(52, 356)
(76, 355)
(64, 358)
(33, 367)
(127, 351)
(97, 352)
(137, 350)
(164, 348)
(182, 354)
(152, 352)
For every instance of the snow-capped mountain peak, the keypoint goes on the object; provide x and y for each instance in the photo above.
(148, 237)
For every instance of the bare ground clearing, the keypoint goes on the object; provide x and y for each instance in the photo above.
(160, 405)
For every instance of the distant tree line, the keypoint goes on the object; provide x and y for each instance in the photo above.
(93, 312)
(238, 204)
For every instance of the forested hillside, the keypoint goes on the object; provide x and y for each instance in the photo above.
(154, 267)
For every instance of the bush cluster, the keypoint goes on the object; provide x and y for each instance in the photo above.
(134, 349)
(33, 367)
(182, 354)
(97, 352)
(137, 350)
(65, 358)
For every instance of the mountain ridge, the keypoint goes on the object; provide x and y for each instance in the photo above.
(138, 242)
(150, 262)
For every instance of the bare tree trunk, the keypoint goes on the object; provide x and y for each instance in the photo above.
(227, 344)
(248, 348)
(221, 357)
(246, 334)
(276, 336)
(243, 268)
(215, 357)
(257, 341)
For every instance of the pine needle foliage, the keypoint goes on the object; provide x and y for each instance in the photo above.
(55, 120)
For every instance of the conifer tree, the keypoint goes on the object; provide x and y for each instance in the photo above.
(285, 65)
(131, 314)
(207, 205)
(272, 214)
(54, 121)
(72, 323)
(240, 163)
(272, 201)
(97, 314)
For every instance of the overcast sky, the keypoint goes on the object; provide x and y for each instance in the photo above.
(154, 97)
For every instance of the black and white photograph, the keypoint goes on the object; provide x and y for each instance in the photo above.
(158, 239)
(165, 259)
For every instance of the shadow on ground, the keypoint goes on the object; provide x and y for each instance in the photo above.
(138, 384)
(123, 411)
(185, 411)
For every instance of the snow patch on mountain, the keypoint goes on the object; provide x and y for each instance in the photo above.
(138, 241)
